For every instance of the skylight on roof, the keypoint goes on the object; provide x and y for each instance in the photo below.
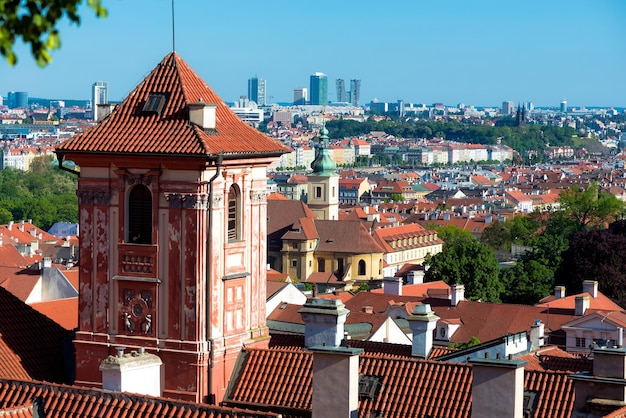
(154, 104)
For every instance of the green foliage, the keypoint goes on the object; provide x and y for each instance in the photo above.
(471, 343)
(363, 287)
(465, 260)
(589, 207)
(36, 21)
(501, 235)
(44, 194)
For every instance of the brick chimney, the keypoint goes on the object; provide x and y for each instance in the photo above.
(458, 293)
(422, 322)
(134, 372)
(591, 287)
(335, 367)
(559, 292)
(392, 285)
(497, 388)
(581, 304)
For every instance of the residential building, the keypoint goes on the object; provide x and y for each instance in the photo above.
(318, 89)
(99, 96)
(173, 229)
(256, 90)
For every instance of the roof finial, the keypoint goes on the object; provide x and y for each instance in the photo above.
(173, 32)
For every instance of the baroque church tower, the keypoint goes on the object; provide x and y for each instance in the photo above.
(323, 184)
(172, 206)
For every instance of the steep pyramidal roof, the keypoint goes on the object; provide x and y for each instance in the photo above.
(129, 129)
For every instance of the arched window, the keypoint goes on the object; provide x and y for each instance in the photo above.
(362, 268)
(234, 214)
(139, 215)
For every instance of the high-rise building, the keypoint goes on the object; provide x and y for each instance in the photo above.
(256, 90)
(355, 92)
(99, 96)
(17, 100)
(564, 106)
(300, 96)
(508, 107)
(319, 89)
(342, 94)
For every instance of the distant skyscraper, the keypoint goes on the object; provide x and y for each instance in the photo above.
(17, 100)
(355, 92)
(564, 106)
(99, 96)
(508, 108)
(256, 90)
(342, 94)
(319, 89)
(300, 96)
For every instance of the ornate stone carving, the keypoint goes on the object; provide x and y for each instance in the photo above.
(258, 196)
(216, 200)
(187, 200)
(94, 197)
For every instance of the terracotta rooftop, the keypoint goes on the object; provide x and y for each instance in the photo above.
(62, 311)
(130, 130)
(69, 401)
(31, 344)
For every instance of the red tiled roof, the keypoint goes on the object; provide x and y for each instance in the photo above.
(71, 401)
(31, 343)
(554, 359)
(62, 311)
(569, 302)
(129, 130)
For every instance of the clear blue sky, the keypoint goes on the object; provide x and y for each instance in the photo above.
(479, 52)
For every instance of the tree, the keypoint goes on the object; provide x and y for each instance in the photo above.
(596, 255)
(465, 260)
(590, 207)
(35, 21)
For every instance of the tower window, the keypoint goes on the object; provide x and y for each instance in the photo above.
(234, 214)
(362, 268)
(318, 192)
(139, 215)
(321, 265)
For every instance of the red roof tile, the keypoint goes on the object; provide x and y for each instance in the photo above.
(62, 311)
(129, 130)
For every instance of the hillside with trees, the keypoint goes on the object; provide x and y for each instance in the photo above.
(45, 194)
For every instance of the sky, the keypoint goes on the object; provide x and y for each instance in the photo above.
(479, 52)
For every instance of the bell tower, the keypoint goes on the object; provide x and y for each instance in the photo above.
(172, 207)
(323, 185)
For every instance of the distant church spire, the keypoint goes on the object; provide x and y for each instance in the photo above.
(323, 165)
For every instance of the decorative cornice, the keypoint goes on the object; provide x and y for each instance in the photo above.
(187, 200)
(258, 196)
(94, 197)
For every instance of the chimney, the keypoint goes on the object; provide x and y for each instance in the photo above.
(323, 322)
(416, 276)
(497, 388)
(537, 335)
(591, 287)
(10, 226)
(392, 285)
(138, 372)
(33, 232)
(422, 322)
(559, 292)
(335, 367)
(582, 304)
(367, 309)
(458, 293)
(203, 114)
(47, 262)
(605, 386)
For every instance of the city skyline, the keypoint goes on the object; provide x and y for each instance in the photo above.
(476, 53)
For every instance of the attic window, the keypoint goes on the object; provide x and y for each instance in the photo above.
(369, 386)
(530, 403)
(154, 104)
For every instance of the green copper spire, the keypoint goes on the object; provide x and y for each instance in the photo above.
(323, 165)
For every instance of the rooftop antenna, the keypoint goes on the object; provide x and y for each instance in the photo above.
(173, 32)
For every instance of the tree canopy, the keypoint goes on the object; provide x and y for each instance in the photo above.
(589, 207)
(35, 22)
(466, 261)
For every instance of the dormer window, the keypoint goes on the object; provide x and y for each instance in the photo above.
(139, 216)
(154, 104)
(234, 214)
